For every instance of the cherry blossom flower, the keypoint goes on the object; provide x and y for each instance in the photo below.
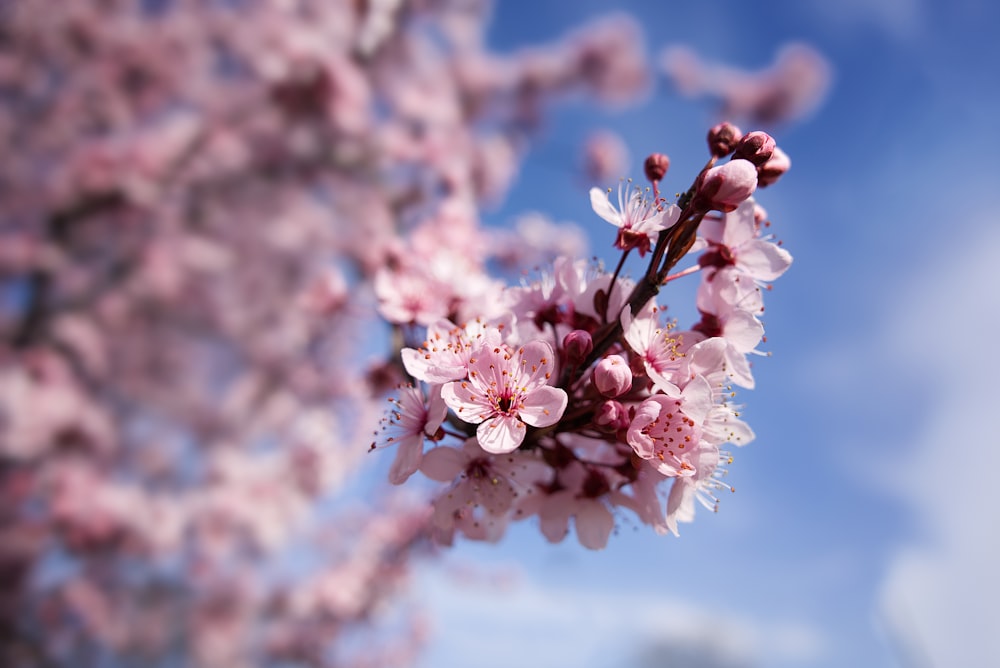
(506, 390)
(410, 295)
(734, 240)
(581, 496)
(710, 359)
(638, 219)
(721, 315)
(667, 431)
(444, 356)
(412, 420)
(696, 487)
(484, 486)
(655, 346)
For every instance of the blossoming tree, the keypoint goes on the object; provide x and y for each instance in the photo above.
(203, 206)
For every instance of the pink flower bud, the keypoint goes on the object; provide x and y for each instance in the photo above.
(613, 376)
(774, 168)
(612, 416)
(577, 345)
(656, 166)
(722, 139)
(727, 186)
(756, 147)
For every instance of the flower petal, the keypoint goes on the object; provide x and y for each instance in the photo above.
(603, 208)
(409, 455)
(468, 405)
(543, 406)
(553, 518)
(501, 434)
(443, 464)
(697, 399)
(594, 523)
(680, 504)
(763, 260)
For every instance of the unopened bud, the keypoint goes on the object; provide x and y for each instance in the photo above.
(723, 138)
(612, 416)
(774, 168)
(727, 186)
(577, 344)
(756, 147)
(656, 166)
(612, 376)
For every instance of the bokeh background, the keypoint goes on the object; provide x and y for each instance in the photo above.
(864, 528)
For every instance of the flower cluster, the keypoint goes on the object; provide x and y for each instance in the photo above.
(572, 397)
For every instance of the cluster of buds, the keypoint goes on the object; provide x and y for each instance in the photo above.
(572, 397)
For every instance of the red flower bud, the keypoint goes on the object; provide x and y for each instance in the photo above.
(577, 345)
(722, 139)
(656, 166)
(756, 147)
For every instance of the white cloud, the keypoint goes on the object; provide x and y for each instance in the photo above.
(939, 596)
(526, 622)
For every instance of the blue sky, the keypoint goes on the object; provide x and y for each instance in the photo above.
(864, 528)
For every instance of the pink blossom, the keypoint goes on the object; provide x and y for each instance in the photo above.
(734, 240)
(484, 487)
(667, 431)
(723, 315)
(582, 497)
(658, 349)
(506, 390)
(696, 487)
(412, 420)
(644, 500)
(639, 220)
(411, 296)
(710, 359)
(552, 299)
(445, 355)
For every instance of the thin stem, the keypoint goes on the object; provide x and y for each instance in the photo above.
(611, 285)
(671, 245)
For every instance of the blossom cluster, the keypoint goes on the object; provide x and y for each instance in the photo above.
(573, 397)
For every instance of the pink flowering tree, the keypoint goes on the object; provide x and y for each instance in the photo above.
(208, 208)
